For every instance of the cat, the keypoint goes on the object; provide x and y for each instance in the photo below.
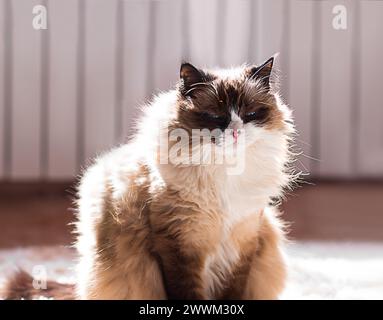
(179, 230)
(153, 223)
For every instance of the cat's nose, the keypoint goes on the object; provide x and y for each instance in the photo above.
(235, 135)
(236, 127)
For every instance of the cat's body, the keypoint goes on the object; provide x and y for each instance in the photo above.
(149, 230)
(132, 223)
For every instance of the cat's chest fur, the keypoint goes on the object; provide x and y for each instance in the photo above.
(221, 227)
(240, 214)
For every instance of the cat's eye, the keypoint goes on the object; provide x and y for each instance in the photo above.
(251, 114)
(212, 116)
(212, 120)
(258, 115)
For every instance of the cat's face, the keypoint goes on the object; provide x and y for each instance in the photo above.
(236, 105)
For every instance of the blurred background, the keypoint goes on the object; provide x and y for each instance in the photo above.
(72, 91)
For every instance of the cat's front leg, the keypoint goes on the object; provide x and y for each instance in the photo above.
(182, 270)
(267, 274)
(183, 238)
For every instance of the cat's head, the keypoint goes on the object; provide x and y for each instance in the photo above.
(237, 106)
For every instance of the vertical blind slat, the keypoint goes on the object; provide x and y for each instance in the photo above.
(119, 71)
(3, 133)
(203, 24)
(299, 76)
(272, 18)
(168, 51)
(26, 93)
(236, 32)
(62, 95)
(335, 104)
(135, 61)
(371, 109)
(100, 76)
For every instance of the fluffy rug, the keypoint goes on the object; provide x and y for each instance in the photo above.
(318, 270)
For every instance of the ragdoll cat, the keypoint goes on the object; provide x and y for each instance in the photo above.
(177, 230)
(157, 222)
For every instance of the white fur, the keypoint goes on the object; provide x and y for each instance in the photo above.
(244, 195)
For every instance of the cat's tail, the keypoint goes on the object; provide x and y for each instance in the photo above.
(21, 286)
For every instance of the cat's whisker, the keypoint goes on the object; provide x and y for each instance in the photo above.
(311, 158)
(303, 142)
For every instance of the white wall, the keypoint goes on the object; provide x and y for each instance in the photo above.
(72, 91)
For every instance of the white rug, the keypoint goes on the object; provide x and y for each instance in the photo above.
(318, 270)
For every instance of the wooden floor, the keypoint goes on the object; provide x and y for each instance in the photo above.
(34, 214)
(337, 211)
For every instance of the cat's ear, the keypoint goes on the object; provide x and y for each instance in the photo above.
(262, 72)
(190, 76)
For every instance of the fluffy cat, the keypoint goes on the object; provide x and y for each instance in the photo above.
(154, 225)
(153, 230)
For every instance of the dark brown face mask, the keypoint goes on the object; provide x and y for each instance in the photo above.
(208, 100)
